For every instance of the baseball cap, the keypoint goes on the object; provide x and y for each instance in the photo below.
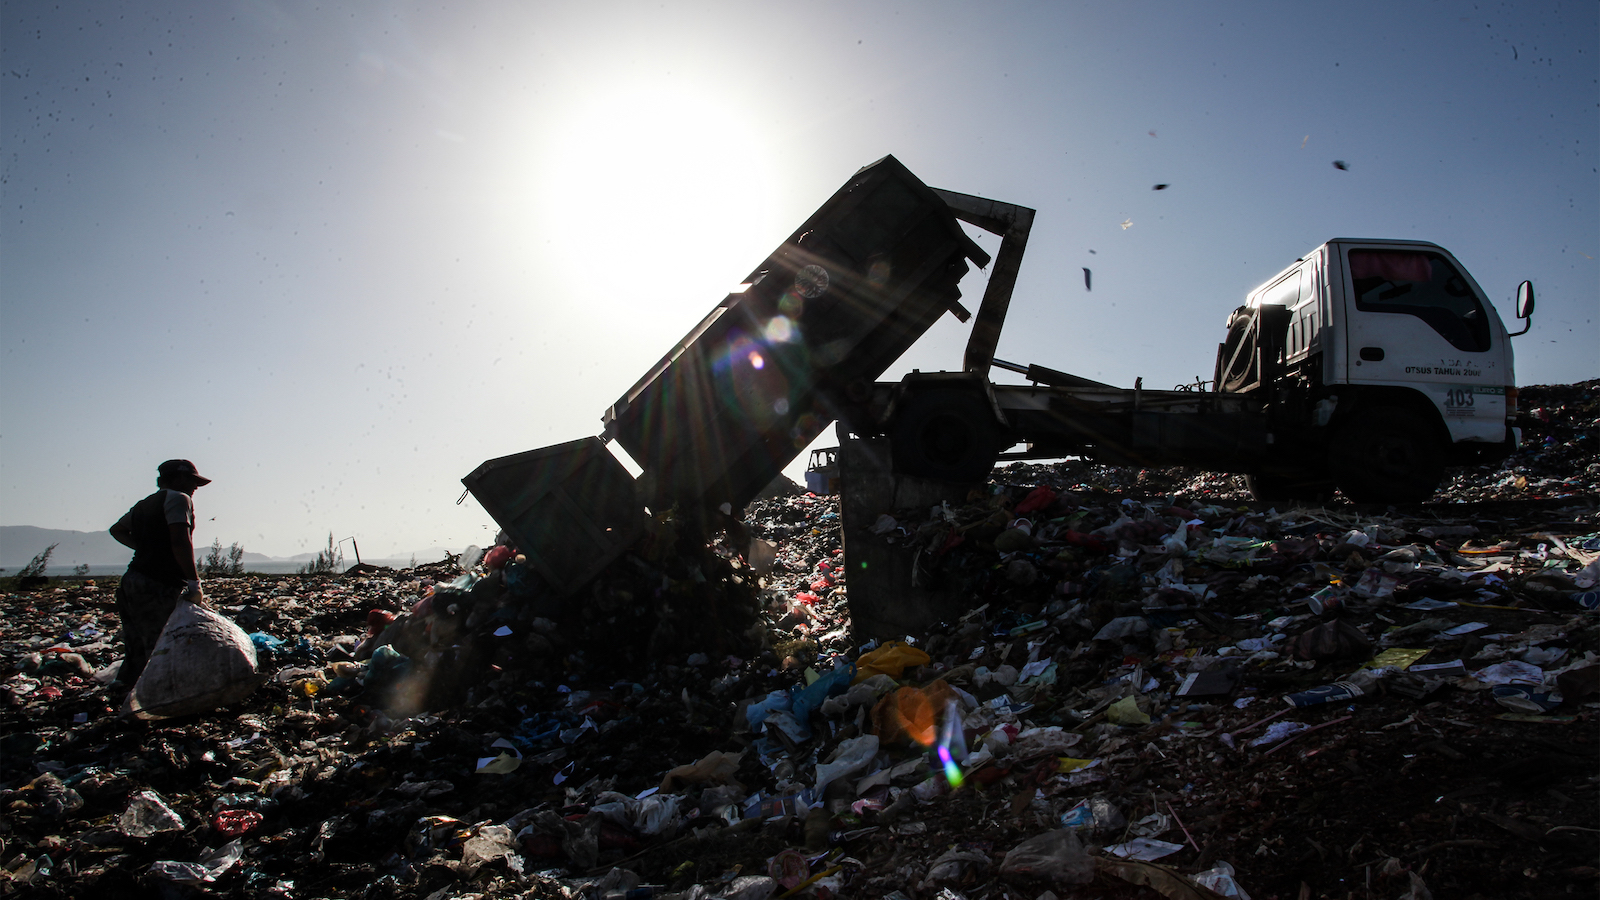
(181, 468)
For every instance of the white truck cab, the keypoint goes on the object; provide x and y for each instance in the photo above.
(1382, 360)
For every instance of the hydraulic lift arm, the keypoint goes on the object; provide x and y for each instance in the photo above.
(1012, 223)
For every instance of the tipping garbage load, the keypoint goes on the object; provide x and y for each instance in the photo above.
(717, 418)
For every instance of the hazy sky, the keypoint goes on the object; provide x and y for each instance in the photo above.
(339, 254)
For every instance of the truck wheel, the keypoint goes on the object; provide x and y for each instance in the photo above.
(1296, 488)
(1387, 455)
(1233, 370)
(945, 435)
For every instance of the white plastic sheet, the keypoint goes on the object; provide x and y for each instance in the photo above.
(206, 870)
(852, 756)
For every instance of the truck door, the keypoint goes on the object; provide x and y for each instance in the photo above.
(1413, 318)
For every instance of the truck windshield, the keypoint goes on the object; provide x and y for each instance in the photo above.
(1424, 285)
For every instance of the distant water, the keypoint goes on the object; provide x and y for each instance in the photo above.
(281, 567)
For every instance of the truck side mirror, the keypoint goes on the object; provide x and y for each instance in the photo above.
(1524, 299)
(1524, 307)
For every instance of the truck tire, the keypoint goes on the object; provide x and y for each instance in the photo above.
(1294, 488)
(1233, 369)
(1387, 455)
(945, 435)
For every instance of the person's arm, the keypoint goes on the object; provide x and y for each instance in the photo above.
(183, 550)
(123, 531)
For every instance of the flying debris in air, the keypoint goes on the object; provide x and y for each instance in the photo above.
(1303, 141)
(1160, 187)
(1086, 285)
(1341, 165)
(1126, 224)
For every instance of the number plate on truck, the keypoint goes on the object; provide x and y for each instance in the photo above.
(1461, 400)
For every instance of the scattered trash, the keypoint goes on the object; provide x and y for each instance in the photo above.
(148, 815)
(1116, 698)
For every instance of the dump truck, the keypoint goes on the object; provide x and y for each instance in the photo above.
(1366, 366)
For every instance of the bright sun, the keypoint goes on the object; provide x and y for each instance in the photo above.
(651, 185)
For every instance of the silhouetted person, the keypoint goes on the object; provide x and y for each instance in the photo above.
(160, 529)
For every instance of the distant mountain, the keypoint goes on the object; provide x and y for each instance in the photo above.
(20, 543)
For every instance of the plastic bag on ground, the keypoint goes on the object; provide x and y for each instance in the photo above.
(757, 713)
(750, 887)
(657, 813)
(1045, 740)
(215, 863)
(954, 865)
(201, 661)
(1220, 879)
(1055, 856)
(1039, 498)
(715, 768)
(807, 699)
(492, 842)
(1127, 712)
(1144, 848)
(1122, 627)
(1279, 731)
(1165, 881)
(891, 659)
(1513, 672)
(147, 814)
(851, 757)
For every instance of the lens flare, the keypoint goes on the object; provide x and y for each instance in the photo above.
(952, 744)
(916, 716)
(748, 378)
(780, 330)
(952, 772)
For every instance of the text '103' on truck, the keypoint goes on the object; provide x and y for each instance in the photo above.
(1367, 366)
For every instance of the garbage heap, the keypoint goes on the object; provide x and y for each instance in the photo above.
(1152, 693)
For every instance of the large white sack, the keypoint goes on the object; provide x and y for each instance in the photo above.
(202, 661)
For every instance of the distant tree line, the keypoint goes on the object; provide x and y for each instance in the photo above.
(328, 561)
(219, 562)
